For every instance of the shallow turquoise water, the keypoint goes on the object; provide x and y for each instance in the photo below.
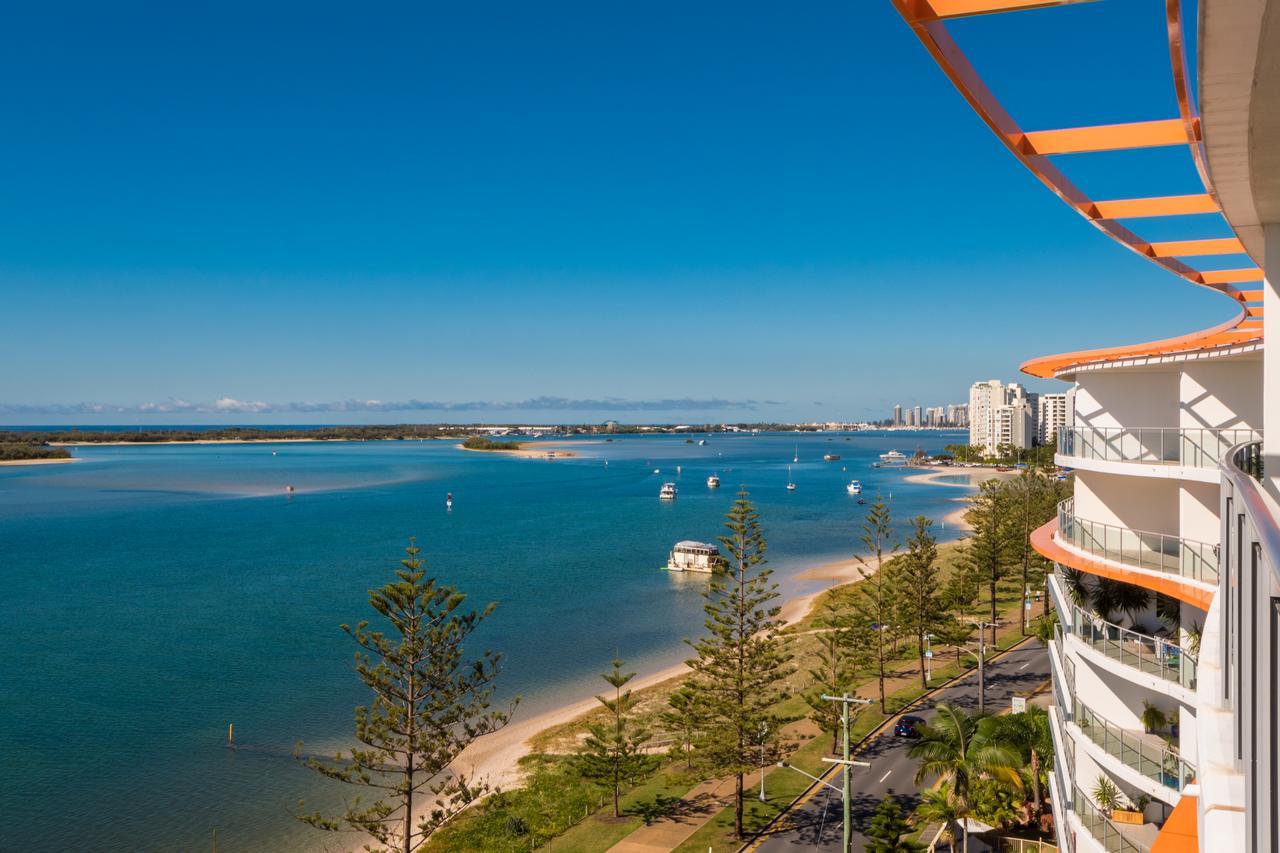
(154, 594)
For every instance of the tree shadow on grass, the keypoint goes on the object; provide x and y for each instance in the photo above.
(668, 807)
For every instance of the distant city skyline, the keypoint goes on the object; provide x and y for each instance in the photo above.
(482, 207)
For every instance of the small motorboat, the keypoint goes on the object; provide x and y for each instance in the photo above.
(854, 487)
(657, 470)
(831, 457)
(713, 482)
(448, 501)
(289, 489)
(667, 492)
(702, 442)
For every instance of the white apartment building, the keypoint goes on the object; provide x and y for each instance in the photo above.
(1166, 663)
(1051, 417)
(1000, 415)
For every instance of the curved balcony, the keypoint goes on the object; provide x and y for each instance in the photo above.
(1113, 837)
(1147, 754)
(1161, 446)
(1157, 552)
(1146, 653)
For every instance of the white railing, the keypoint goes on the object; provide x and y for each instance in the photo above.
(1143, 652)
(1194, 448)
(1157, 762)
(1138, 548)
(1101, 827)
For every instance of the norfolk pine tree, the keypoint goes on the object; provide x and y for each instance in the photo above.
(835, 666)
(988, 551)
(916, 579)
(741, 662)
(873, 595)
(428, 704)
(612, 751)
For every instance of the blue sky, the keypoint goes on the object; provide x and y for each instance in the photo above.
(672, 211)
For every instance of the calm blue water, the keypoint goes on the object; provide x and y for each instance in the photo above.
(154, 594)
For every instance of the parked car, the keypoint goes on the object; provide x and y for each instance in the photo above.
(908, 726)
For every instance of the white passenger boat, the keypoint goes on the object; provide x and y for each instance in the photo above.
(713, 482)
(893, 459)
(854, 487)
(668, 492)
(690, 556)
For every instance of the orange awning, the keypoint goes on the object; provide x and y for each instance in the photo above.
(1180, 832)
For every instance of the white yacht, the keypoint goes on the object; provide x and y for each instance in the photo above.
(854, 487)
(791, 486)
(893, 459)
(713, 482)
(690, 556)
(668, 492)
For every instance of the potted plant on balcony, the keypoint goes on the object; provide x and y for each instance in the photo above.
(1153, 719)
(1106, 794)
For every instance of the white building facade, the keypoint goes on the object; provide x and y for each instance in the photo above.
(1166, 584)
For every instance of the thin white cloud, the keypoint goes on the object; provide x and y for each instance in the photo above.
(232, 405)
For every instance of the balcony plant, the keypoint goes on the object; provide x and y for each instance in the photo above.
(1153, 719)
(1105, 794)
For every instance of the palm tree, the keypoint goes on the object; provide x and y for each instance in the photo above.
(939, 805)
(1110, 596)
(1027, 734)
(950, 749)
(1078, 589)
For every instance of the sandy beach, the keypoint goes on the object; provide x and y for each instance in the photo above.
(529, 450)
(58, 461)
(975, 475)
(494, 757)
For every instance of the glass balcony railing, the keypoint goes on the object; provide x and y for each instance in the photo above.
(1140, 549)
(1153, 655)
(1157, 762)
(1105, 832)
(1193, 448)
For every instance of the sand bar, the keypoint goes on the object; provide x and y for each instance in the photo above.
(55, 461)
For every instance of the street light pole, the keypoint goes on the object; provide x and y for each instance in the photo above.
(845, 701)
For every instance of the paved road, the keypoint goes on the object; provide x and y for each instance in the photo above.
(816, 825)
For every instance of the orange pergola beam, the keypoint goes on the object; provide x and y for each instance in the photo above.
(1105, 137)
(941, 10)
(1231, 276)
(1170, 205)
(1187, 248)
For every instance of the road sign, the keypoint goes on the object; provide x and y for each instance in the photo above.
(928, 653)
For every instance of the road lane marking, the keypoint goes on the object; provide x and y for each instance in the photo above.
(885, 776)
(1024, 666)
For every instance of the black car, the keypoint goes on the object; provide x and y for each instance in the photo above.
(908, 726)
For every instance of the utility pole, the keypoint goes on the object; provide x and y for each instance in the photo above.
(982, 666)
(845, 701)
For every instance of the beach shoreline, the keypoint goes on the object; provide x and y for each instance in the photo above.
(975, 475)
(56, 461)
(495, 758)
(528, 450)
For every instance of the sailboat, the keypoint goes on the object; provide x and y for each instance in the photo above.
(791, 487)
